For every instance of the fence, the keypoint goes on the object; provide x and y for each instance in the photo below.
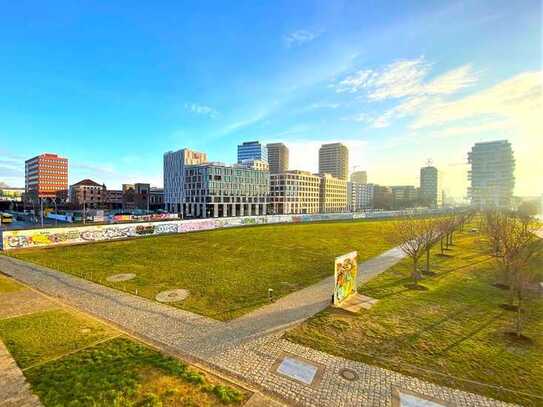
(18, 239)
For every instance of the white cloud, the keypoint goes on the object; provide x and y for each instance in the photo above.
(322, 105)
(300, 37)
(518, 98)
(451, 82)
(405, 80)
(201, 109)
(243, 123)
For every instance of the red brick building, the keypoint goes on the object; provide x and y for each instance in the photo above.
(46, 175)
(89, 194)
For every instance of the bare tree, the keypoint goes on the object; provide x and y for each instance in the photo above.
(432, 232)
(518, 245)
(409, 235)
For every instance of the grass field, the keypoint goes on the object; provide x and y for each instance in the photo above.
(229, 271)
(7, 285)
(72, 360)
(456, 327)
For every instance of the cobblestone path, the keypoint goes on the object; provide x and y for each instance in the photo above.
(14, 390)
(248, 347)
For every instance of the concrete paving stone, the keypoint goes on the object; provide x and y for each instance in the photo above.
(248, 346)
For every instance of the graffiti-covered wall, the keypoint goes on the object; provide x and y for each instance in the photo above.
(19, 239)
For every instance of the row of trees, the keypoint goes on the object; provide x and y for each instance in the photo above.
(514, 243)
(417, 236)
(511, 237)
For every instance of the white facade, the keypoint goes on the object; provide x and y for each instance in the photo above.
(174, 176)
(359, 196)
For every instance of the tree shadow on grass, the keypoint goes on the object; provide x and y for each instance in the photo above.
(480, 327)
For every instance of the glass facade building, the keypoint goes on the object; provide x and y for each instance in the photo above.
(252, 150)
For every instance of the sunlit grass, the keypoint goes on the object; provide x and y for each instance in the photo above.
(228, 271)
(7, 285)
(73, 360)
(456, 327)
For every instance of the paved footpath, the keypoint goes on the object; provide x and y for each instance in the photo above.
(248, 347)
(15, 390)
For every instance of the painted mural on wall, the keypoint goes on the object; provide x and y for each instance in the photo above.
(18, 239)
(345, 271)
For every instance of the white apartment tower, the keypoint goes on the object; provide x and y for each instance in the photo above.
(174, 176)
(491, 175)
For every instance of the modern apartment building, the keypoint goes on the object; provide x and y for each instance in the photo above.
(252, 150)
(334, 160)
(217, 190)
(359, 196)
(429, 187)
(278, 157)
(333, 194)
(174, 175)
(492, 174)
(360, 177)
(46, 175)
(294, 192)
(88, 193)
(404, 196)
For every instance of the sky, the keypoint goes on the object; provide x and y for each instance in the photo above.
(114, 85)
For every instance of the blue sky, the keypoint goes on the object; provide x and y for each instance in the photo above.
(114, 86)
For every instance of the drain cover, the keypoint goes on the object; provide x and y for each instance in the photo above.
(349, 374)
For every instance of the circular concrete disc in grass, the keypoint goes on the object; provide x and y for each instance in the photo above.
(120, 277)
(172, 295)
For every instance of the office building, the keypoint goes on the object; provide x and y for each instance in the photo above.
(114, 199)
(294, 192)
(217, 190)
(404, 196)
(382, 197)
(156, 199)
(361, 177)
(88, 194)
(136, 196)
(259, 165)
(333, 194)
(334, 160)
(11, 194)
(429, 187)
(45, 176)
(174, 173)
(277, 157)
(252, 150)
(491, 174)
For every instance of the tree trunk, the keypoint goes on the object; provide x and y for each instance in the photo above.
(428, 260)
(415, 273)
(519, 314)
(441, 242)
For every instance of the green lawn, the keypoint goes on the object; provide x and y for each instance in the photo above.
(456, 327)
(7, 285)
(38, 337)
(67, 364)
(228, 271)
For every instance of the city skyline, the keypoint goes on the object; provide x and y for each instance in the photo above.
(376, 83)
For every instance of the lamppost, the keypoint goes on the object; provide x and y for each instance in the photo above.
(41, 211)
